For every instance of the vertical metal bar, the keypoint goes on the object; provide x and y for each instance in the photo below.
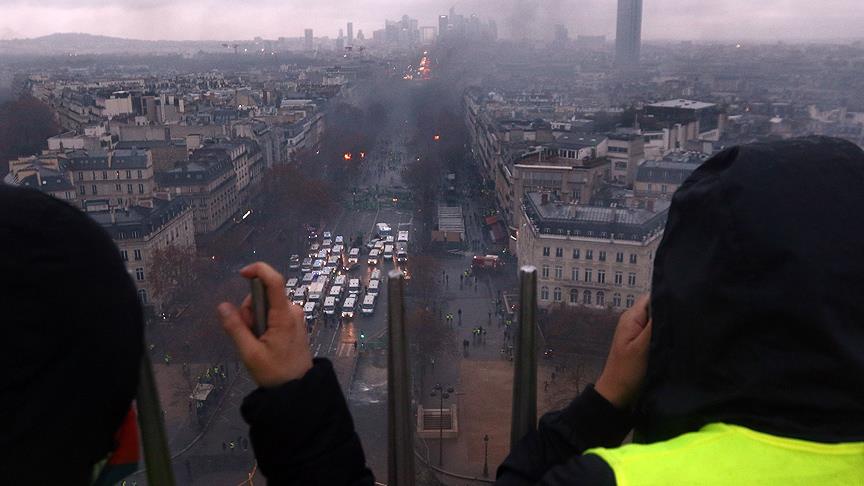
(157, 458)
(524, 417)
(400, 433)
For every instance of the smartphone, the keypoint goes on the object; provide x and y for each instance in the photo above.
(260, 307)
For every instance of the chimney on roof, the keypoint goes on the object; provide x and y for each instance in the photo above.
(544, 199)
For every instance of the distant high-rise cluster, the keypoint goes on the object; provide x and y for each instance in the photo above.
(404, 32)
(628, 38)
(457, 26)
(350, 32)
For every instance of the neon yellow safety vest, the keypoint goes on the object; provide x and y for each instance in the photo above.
(722, 455)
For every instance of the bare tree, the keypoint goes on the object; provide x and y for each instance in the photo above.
(173, 271)
(431, 341)
(424, 284)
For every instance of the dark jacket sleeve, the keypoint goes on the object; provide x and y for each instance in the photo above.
(551, 455)
(303, 434)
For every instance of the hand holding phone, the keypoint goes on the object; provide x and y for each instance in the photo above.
(269, 331)
(260, 307)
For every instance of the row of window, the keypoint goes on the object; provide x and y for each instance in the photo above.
(138, 174)
(663, 188)
(124, 254)
(589, 254)
(588, 297)
(118, 188)
(588, 275)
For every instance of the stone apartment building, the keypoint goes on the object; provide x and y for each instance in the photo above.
(164, 153)
(238, 154)
(139, 230)
(589, 255)
(562, 171)
(208, 184)
(661, 178)
(122, 177)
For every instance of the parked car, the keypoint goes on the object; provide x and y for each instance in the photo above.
(294, 263)
(329, 306)
(372, 289)
(349, 306)
(309, 310)
(374, 256)
(368, 306)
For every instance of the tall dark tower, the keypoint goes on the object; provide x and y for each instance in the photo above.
(350, 32)
(628, 39)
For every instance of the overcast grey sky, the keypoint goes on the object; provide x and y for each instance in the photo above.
(239, 19)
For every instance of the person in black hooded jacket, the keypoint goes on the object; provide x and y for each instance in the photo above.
(755, 370)
(72, 336)
(747, 367)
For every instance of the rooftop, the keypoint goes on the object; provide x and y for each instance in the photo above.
(84, 160)
(148, 144)
(556, 218)
(51, 181)
(682, 103)
(129, 159)
(195, 172)
(572, 140)
(137, 222)
(450, 219)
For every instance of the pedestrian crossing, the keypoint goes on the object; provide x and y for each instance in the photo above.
(346, 350)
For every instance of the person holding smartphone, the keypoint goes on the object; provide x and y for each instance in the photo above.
(301, 430)
(744, 366)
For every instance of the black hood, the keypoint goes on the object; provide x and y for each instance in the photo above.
(758, 296)
(71, 339)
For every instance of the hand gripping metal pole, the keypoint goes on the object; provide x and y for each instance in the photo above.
(157, 458)
(400, 433)
(524, 416)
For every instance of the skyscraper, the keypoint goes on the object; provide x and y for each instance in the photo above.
(308, 39)
(628, 38)
(350, 32)
(443, 22)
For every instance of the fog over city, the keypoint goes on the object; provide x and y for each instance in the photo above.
(736, 20)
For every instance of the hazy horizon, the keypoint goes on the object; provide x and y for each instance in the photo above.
(216, 20)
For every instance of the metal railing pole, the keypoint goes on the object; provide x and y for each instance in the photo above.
(157, 457)
(524, 417)
(400, 426)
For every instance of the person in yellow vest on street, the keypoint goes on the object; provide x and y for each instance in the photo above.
(745, 366)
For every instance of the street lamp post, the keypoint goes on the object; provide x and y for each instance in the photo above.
(439, 391)
(486, 456)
